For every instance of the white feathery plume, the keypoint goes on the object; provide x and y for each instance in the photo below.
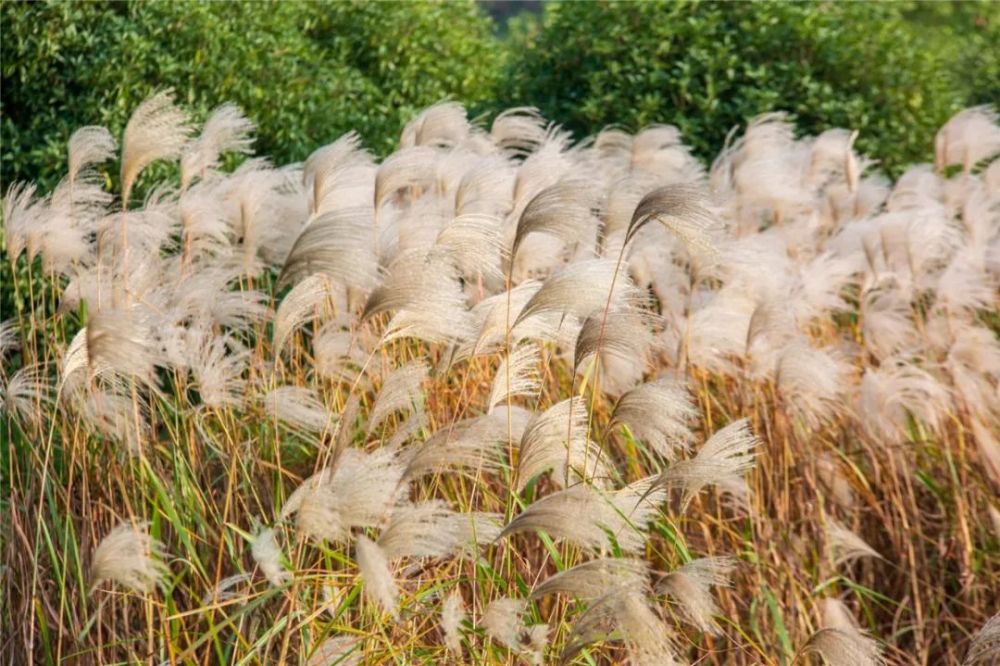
(65, 237)
(829, 472)
(9, 339)
(886, 322)
(267, 212)
(681, 210)
(812, 382)
(985, 645)
(65, 232)
(487, 188)
(89, 145)
(691, 584)
(475, 244)
(443, 125)
(237, 310)
(973, 361)
(379, 583)
(717, 330)
(337, 651)
(517, 375)
(298, 306)
(988, 447)
(546, 165)
(452, 617)
(836, 615)
(896, 388)
(75, 358)
(624, 195)
(625, 614)
(558, 439)
(327, 168)
(473, 443)
(157, 130)
(358, 493)
(565, 210)
(621, 342)
(613, 146)
(119, 341)
(431, 529)
(27, 395)
(218, 364)
(338, 243)
(504, 623)
(23, 215)
(844, 546)
(402, 390)
(492, 317)
(413, 168)
(112, 412)
(267, 554)
(994, 519)
(587, 517)
(965, 284)
(659, 414)
(818, 287)
(412, 225)
(223, 590)
(424, 289)
(519, 131)
(658, 149)
(408, 429)
(832, 158)
(969, 137)
(129, 556)
(150, 231)
(227, 130)
(582, 289)
(594, 579)
(340, 354)
(726, 456)
(845, 648)
(299, 407)
(541, 255)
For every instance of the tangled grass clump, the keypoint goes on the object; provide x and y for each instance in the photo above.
(505, 398)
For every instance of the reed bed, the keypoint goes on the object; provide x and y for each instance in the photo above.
(503, 397)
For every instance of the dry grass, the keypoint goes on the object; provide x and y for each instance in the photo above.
(746, 415)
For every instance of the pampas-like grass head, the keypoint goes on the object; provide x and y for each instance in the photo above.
(681, 210)
(227, 130)
(845, 648)
(845, 546)
(690, 586)
(157, 130)
(660, 414)
(129, 556)
(985, 646)
(725, 457)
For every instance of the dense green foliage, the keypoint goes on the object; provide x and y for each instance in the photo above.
(305, 72)
(965, 35)
(707, 67)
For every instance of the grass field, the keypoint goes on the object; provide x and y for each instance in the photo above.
(503, 398)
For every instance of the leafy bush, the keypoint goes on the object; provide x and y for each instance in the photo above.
(964, 35)
(305, 72)
(707, 67)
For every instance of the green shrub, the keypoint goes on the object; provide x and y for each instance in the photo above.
(305, 72)
(965, 35)
(706, 67)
